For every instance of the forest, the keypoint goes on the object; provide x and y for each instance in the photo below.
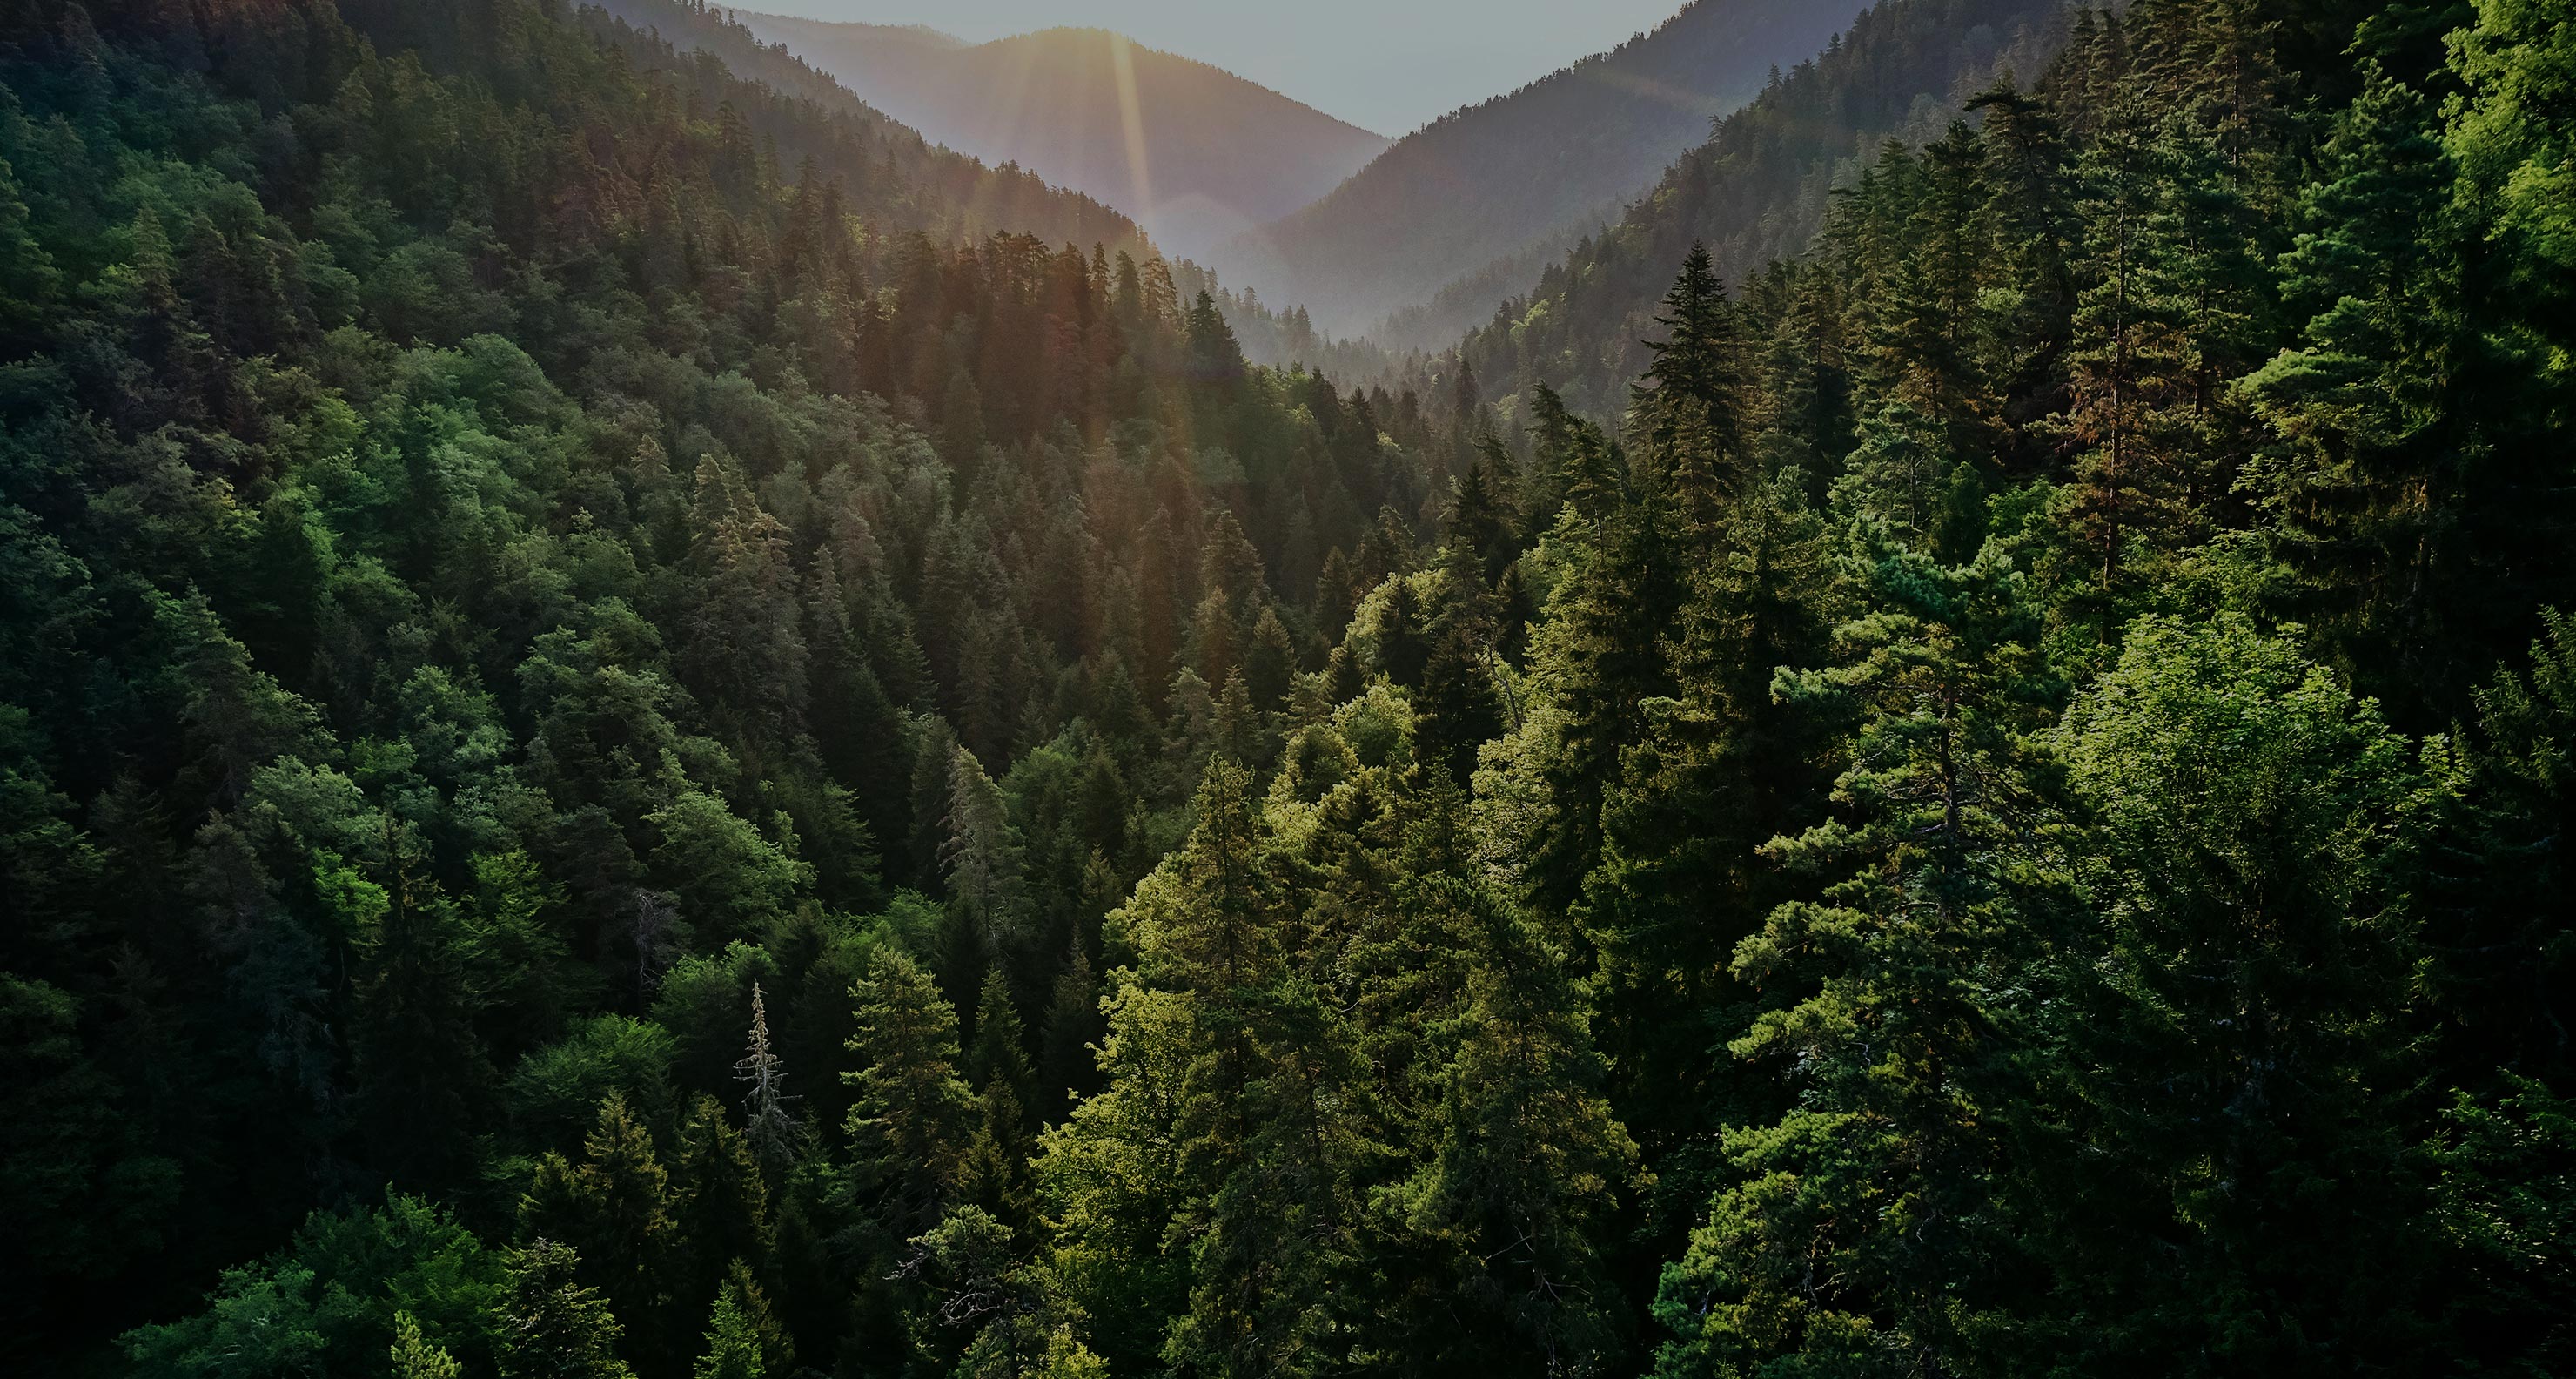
(651, 730)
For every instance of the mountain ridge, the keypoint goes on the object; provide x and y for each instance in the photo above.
(1757, 190)
(1494, 180)
(1196, 153)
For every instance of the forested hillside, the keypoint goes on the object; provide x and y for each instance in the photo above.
(1758, 191)
(976, 202)
(1195, 153)
(619, 760)
(515, 534)
(1494, 180)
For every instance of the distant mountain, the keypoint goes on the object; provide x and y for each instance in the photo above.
(1502, 179)
(893, 174)
(1195, 153)
(1757, 190)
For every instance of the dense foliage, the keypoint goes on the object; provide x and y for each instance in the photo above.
(619, 762)
(1758, 190)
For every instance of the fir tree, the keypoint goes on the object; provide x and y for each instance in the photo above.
(909, 1124)
(415, 1357)
(775, 1133)
(554, 1326)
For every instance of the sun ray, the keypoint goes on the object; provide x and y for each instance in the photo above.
(1131, 118)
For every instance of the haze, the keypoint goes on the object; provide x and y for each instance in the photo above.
(1387, 65)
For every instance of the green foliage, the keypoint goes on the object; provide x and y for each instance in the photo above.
(733, 698)
(404, 1278)
(909, 1124)
(552, 1325)
(415, 1358)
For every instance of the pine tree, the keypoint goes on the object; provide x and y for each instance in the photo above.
(554, 1327)
(2408, 523)
(615, 1209)
(1455, 705)
(1930, 325)
(1595, 661)
(1865, 1220)
(910, 1122)
(415, 1357)
(1696, 385)
(1722, 769)
(1269, 663)
(732, 1348)
(745, 648)
(775, 1133)
(427, 1074)
(1695, 421)
(2236, 1041)
(722, 1202)
(30, 279)
(1234, 1078)
(1525, 1162)
(997, 1066)
(2125, 369)
(1066, 1066)
(2500, 944)
(986, 869)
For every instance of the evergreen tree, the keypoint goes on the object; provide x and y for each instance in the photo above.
(732, 1347)
(2241, 860)
(775, 1133)
(997, 1065)
(1456, 707)
(722, 1205)
(554, 1326)
(1885, 1171)
(614, 1211)
(1722, 769)
(909, 1124)
(415, 1357)
(1525, 1162)
(1695, 388)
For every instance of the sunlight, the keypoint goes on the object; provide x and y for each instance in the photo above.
(1131, 119)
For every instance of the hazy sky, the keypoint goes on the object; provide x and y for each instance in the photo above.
(1390, 65)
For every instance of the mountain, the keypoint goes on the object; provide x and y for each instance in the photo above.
(1495, 180)
(632, 746)
(1194, 152)
(719, 505)
(890, 173)
(1757, 191)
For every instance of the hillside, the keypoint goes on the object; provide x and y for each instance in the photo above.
(898, 179)
(1195, 153)
(1758, 189)
(635, 746)
(514, 516)
(1494, 180)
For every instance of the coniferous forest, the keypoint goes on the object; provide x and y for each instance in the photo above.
(651, 730)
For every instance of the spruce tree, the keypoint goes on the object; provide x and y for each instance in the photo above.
(1881, 1181)
(732, 1348)
(615, 1208)
(910, 1121)
(554, 1327)
(414, 1356)
(775, 1133)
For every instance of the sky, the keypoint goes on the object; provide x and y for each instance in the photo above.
(1386, 65)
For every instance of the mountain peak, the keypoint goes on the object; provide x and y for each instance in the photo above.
(1194, 152)
(1499, 179)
